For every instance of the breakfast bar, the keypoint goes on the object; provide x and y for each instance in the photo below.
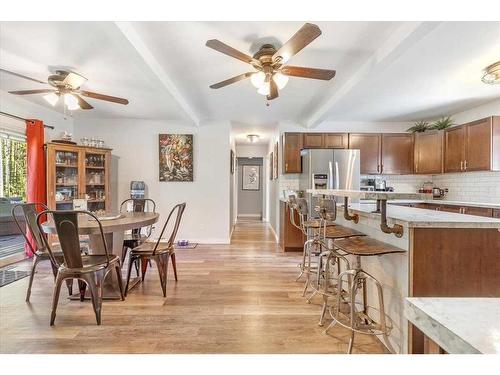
(445, 255)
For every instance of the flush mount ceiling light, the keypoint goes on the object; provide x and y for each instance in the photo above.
(491, 74)
(252, 138)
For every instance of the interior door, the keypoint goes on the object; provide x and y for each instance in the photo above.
(369, 146)
(478, 146)
(397, 154)
(454, 155)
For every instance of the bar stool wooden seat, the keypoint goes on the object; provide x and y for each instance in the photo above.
(360, 321)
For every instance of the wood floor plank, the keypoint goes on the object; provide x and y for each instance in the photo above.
(237, 298)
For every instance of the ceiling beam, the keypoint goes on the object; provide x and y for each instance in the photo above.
(135, 40)
(403, 38)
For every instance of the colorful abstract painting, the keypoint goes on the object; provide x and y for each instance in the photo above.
(176, 157)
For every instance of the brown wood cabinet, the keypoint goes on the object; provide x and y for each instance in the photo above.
(370, 151)
(496, 213)
(290, 237)
(77, 172)
(313, 140)
(397, 154)
(335, 140)
(474, 146)
(429, 149)
(478, 211)
(292, 144)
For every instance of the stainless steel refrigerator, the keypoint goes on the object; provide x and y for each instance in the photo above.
(329, 169)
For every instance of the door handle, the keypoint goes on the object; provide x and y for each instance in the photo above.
(378, 167)
(286, 167)
(465, 165)
(461, 165)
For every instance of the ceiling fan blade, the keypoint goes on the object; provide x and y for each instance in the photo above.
(230, 51)
(300, 71)
(108, 98)
(73, 80)
(82, 103)
(273, 90)
(299, 40)
(22, 76)
(229, 81)
(29, 92)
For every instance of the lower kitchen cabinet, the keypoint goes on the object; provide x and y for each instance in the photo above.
(478, 211)
(290, 238)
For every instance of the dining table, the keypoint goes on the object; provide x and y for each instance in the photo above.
(114, 227)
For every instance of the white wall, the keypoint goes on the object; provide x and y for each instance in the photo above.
(18, 106)
(135, 146)
(477, 113)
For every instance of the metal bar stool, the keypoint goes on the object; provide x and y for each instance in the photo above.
(314, 242)
(359, 319)
(330, 264)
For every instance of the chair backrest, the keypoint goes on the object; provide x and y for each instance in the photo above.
(66, 225)
(30, 212)
(327, 209)
(179, 208)
(292, 204)
(139, 205)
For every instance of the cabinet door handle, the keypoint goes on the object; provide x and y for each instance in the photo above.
(286, 167)
(378, 167)
(465, 165)
(461, 165)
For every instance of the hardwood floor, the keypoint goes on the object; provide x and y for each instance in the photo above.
(237, 298)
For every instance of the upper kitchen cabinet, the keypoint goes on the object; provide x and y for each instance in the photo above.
(292, 144)
(474, 146)
(370, 146)
(325, 140)
(397, 154)
(429, 149)
(335, 140)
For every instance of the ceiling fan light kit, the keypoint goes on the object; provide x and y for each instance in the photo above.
(65, 84)
(272, 75)
(491, 74)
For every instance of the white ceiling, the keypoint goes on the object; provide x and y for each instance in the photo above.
(390, 71)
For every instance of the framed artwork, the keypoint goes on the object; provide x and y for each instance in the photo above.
(232, 161)
(250, 177)
(275, 161)
(176, 157)
(271, 166)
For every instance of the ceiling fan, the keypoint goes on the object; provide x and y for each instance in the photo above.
(66, 85)
(272, 74)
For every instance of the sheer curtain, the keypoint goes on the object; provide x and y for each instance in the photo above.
(36, 176)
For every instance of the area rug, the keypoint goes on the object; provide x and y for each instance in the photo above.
(190, 246)
(8, 276)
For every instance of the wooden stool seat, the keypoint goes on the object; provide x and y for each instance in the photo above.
(339, 231)
(365, 246)
(317, 223)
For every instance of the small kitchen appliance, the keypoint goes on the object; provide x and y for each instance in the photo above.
(438, 193)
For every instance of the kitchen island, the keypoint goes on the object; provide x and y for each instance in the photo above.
(446, 255)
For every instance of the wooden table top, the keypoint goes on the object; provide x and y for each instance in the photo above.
(127, 221)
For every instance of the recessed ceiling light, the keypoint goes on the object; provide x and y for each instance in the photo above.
(491, 74)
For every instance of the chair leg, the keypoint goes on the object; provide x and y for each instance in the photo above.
(124, 253)
(160, 264)
(174, 265)
(55, 298)
(95, 286)
(131, 261)
(82, 287)
(144, 267)
(30, 283)
(69, 285)
(120, 281)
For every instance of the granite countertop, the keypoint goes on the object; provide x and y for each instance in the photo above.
(423, 218)
(458, 325)
(362, 194)
(438, 202)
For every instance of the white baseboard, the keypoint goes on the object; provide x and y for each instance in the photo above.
(275, 235)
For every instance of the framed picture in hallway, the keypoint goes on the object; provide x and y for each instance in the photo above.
(176, 157)
(250, 177)
(271, 167)
(231, 156)
(275, 161)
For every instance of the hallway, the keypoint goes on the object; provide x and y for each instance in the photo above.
(237, 298)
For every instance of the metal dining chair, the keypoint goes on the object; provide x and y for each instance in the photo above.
(29, 211)
(138, 235)
(158, 251)
(91, 269)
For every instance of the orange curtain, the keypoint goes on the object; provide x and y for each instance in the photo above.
(36, 176)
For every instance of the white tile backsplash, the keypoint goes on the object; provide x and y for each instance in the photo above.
(470, 186)
(402, 183)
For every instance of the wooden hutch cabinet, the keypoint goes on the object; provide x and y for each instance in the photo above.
(77, 172)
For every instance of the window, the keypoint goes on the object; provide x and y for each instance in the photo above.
(13, 166)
